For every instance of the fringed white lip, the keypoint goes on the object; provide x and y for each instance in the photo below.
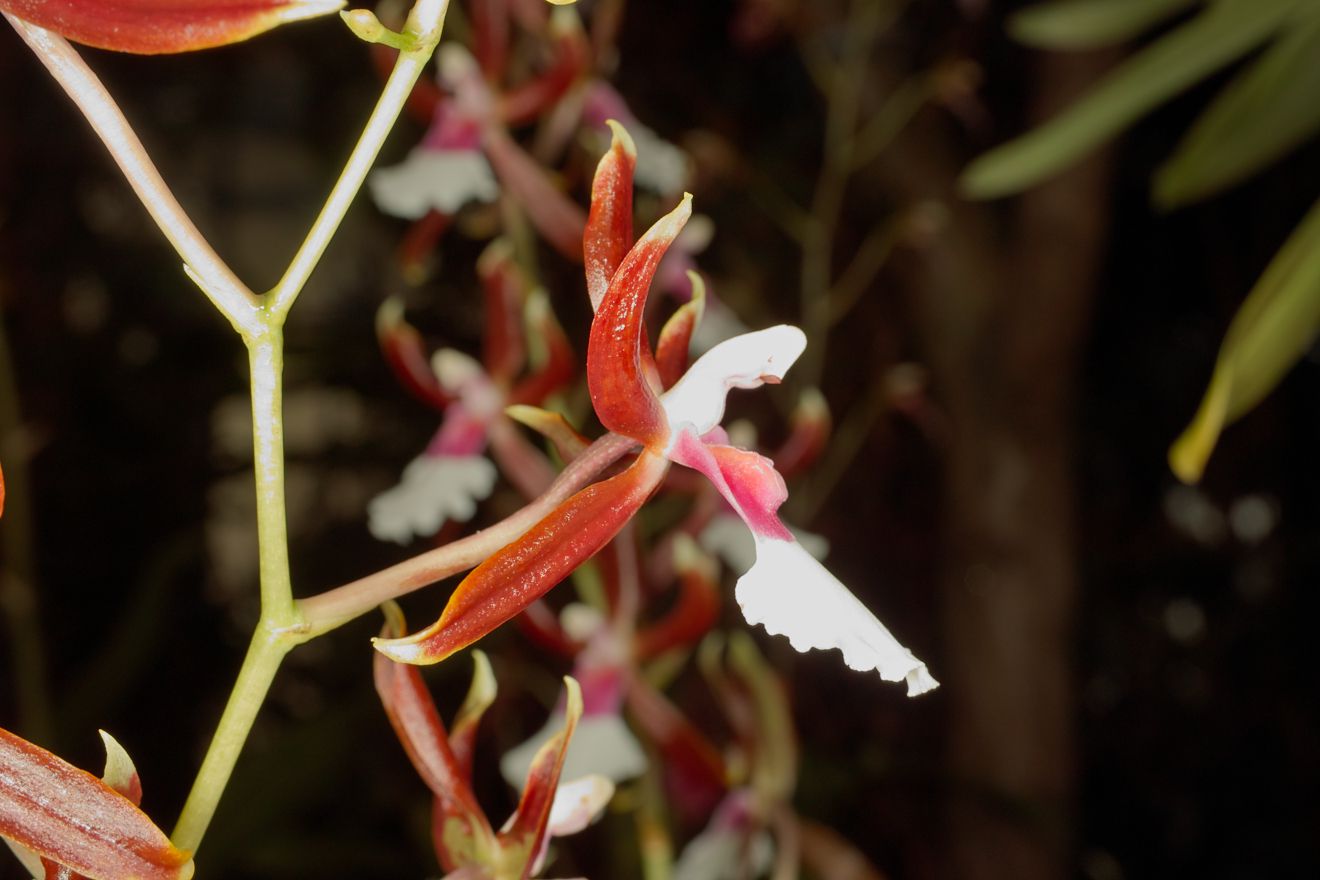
(791, 594)
(434, 489)
(443, 180)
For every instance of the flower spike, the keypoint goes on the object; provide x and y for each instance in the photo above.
(620, 392)
(526, 569)
(609, 232)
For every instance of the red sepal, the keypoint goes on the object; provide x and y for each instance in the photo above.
(417, 724)
(810, 433)
(624, 400)
(526, 829)
(68, 816)
(695, 612)
(406, 355)
(560, 364)
(154, 27)
(671, 350)
(694, 766)
(609, 232)
(527, 568)
(557, 218)
(502, 347)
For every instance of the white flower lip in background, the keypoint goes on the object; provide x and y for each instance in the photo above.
(602, 745)
(433, 490)
(431, 179)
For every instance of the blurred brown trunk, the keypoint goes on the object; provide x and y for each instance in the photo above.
(1002, 303)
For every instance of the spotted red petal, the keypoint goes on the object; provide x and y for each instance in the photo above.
(526, 569)
(153, 27)
(417, 724)
(671, 351)
(623, 398)
(609, 232)
(69, 817)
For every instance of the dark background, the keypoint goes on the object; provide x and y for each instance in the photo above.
(1195, 721)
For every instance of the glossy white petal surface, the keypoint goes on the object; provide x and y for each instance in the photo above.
(793, 595)
(433, 490)
(445, 180)
(746, 361)
(578, 803)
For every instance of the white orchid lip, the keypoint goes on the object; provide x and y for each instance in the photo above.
(434, 489)
(791, 594)
(602, 745)
(747, 361)
(431, 179)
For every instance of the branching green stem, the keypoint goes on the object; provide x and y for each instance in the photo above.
(260, 323)
(423, 26)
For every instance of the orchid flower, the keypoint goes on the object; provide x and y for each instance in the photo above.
(466, 843)
(786, 590)
(452, 474)
(467, 154)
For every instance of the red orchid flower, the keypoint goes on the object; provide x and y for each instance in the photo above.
(787, 591)
(466, 843)
(452, 474)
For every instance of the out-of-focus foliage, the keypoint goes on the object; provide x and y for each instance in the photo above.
(1265, 111)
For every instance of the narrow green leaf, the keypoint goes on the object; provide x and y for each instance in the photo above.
(1268, 110)
(1090, 24)
(1225, 31)
(1277, 323)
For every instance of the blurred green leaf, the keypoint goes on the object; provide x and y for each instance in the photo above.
(1277, 323)
(1266, 111)
(1226, 30)
(1090, 24)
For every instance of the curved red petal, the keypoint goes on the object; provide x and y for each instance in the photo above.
(417, 724)
(671, 351)
(526, 569)
(153, 27)
(526, 829)
(559, 364)
(557, 217)
(623, 398)
(406, 355)
(609, 232)
(72, 818)
(502, 347)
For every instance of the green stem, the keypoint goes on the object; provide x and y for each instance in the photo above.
(424, 25)
(263, 659)
(266, 365)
